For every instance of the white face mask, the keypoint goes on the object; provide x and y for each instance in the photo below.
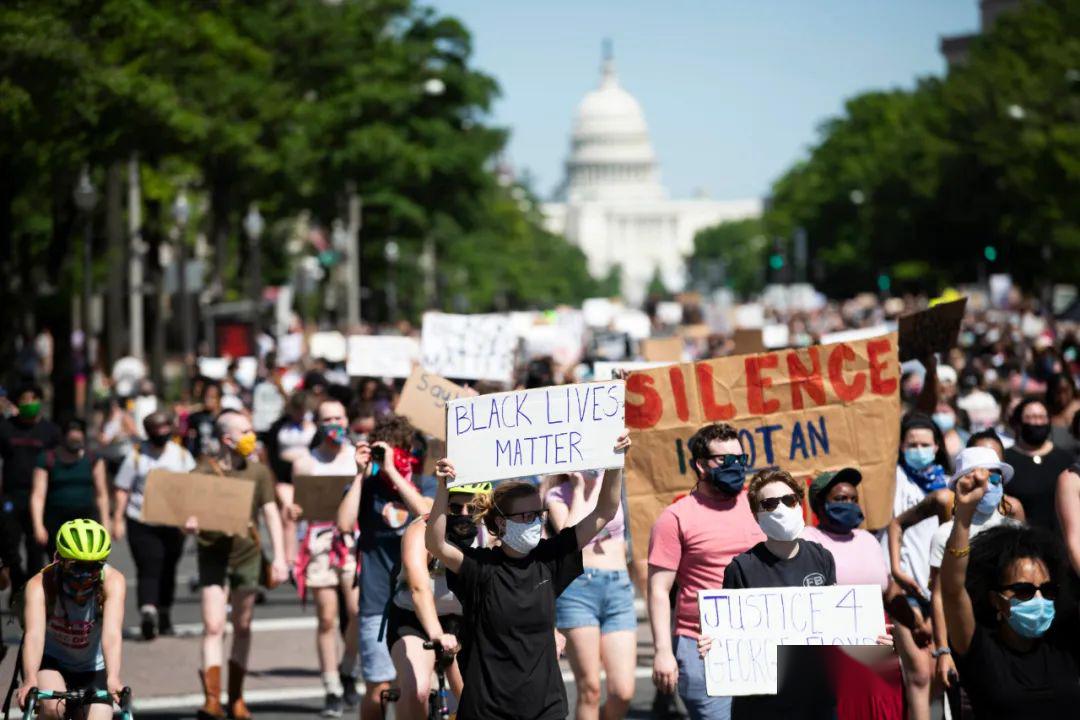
(523, 537)
(783, 523)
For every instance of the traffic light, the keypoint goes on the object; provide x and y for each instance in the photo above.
(990, 253)
(776, 261)
(884, 282)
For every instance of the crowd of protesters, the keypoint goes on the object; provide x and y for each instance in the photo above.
(976, 569)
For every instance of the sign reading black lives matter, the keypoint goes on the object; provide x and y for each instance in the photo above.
(535, 432)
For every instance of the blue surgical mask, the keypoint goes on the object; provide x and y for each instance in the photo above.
(728, 480)
(1031, 618)
(991, 498)
(919, 458)
(945, 421)
(843, 516)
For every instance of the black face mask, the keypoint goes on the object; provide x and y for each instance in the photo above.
(1034, 435)
(728, 480)
(461, 530)
(159, 440)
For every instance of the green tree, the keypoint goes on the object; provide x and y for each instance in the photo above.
(731, 254)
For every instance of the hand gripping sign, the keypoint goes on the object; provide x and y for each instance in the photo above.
(804, 410)
(748, 626)
(534, 432)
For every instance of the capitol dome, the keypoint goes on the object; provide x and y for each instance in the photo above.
(611, 157)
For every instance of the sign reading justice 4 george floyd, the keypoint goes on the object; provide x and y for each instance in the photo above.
(804, 410)
(534, 432)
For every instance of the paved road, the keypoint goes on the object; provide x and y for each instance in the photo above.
(284, 680)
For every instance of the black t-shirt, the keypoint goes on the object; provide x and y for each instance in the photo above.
(1034, 484)
(802, 686)
(1041, 683)
(383, 518)
(20, 445)
(508, 658)
(200, 434)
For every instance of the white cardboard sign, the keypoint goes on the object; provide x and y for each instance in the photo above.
(747, 626)
(472, 347)
(382, 356)
(605, 369)
(534, 432)
(329, 346)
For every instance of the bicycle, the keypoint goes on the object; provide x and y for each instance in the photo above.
(74, 700)
(438, 698)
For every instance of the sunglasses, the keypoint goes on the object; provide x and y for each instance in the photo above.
(769, 504)
(995, 478)
(1025, 591)
(525, 517)
(460, 509)
(81, 567)
(727, 460)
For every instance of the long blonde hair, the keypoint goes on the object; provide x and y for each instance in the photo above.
(488, 506)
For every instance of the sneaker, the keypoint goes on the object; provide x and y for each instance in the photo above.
(351, 694)
(165, 626)
(333, 707)
(149, 625)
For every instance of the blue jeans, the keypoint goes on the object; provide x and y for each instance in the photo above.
(699, 704)
(375, 663)
(597, 598)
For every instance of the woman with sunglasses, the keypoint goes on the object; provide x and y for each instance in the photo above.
(424, 609)
(73, 618)
(1013, 631)
(596, 612)
(509, 660)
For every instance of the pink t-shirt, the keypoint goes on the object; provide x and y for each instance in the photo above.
(564, 493)
(858, 556)
(697, 537)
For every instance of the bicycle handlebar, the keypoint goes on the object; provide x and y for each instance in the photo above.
(81, 696)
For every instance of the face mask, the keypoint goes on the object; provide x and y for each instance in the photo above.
(843, 516)
(727, 480)
(945, 421)
(990, 499)
(461, 530)
(783, 523)
(1031, 618)
(160, 440)
(246, 444)
(75, 447)
(334, 432)
(1034, 435)
(29, 410)
(523, 537)
(919, 458)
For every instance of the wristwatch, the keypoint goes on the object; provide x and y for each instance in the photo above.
(940, 651)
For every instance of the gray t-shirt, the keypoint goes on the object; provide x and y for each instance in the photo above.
(131, 477)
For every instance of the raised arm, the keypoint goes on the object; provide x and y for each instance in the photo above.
(414, 500)
(349, 508)
(435, 536)
(562, 515)
(607, 501)
(1067, 501)
(959, 615)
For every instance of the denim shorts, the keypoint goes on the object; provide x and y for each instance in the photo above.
(375, 663)
(597, 598)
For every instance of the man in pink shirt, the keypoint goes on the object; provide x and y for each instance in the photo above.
(692, 543)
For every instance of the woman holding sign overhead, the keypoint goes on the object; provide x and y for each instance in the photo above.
(508, 658)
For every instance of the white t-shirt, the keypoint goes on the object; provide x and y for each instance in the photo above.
(941, 535)
(131, 477)
(915, 545)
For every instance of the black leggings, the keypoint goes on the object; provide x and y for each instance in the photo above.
(157, 550)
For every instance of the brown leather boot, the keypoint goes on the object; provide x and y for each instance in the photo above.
(237, 709)
(211, 684)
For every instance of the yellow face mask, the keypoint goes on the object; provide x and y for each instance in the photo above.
(246, 444)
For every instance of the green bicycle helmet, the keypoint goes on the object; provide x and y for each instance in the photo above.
(480, 488)
(84, 540)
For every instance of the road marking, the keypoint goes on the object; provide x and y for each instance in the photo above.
(303, 622)
(261, 697)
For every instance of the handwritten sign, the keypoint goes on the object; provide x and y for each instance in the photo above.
(423, 401)
(220, 503)
(533, 432)
(931, 330)
(382, 356)
(748, 626)
(474, 347)
(329, 346)
(662, 349)
(805, 410)
(319, 495)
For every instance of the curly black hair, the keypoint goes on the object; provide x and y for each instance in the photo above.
(996, 549)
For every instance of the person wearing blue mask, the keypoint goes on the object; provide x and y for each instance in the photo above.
(1013, 630)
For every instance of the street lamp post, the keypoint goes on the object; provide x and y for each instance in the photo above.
(254, 226)
(86, 198)
(181, 212)
(393, 253)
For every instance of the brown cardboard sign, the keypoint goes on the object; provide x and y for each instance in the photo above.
(803, 410)
(933, 330)
(662, 349)
(749, 341)
(220, 503)
(320, 495)
(423, 401)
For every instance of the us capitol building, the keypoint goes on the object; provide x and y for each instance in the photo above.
(611, 202)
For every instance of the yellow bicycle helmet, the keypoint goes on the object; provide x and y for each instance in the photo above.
(480, 488)
(84, 540)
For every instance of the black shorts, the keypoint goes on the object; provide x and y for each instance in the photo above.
(89, 680)
(404, 623)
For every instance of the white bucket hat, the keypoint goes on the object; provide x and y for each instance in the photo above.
(979, 457)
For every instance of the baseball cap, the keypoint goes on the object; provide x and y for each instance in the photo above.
(825, 480)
